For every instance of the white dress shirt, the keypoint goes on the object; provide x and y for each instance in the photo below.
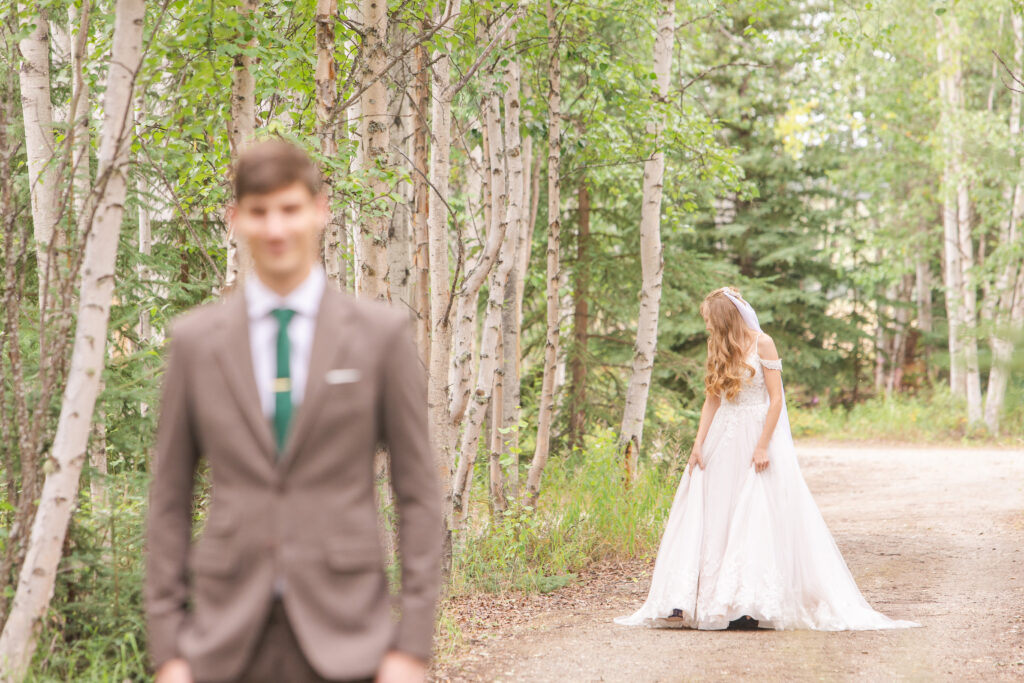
(260, 300)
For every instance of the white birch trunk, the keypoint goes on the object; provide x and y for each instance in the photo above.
(37, 113)
(438, 391)
(494, 470)
(952, 269)
(546, 405)
(477, 189)
(465, 325)
(565, 312)
(506, 217)
(38, 573)
(80, 173)
(507, 414)
(529, 208)
(421, 198)
(374, 132)
(651, 262)
(488, 366)
(329, 132)
(241, 130)
(968, 291)
(1004, 326)
(969, 298)
(401, 242)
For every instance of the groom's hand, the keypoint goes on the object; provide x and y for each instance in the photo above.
(760, 459)
(399, 667)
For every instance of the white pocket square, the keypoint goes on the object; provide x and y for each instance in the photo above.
(342, 376)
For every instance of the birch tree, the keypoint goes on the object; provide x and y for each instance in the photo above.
(241, 130)
(465, 328)
(1006, 318)
(78, 19)
(651, 261)
(500, 235)
(38, 572)
(442, 302)
(958, 247)
(37, 115)
(421, 196)
(374, 136)
(329, 130)
(401, 241)
(438, 395)
(506, 416)
(546, 403)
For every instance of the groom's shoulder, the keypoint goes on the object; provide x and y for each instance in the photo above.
(197, 321)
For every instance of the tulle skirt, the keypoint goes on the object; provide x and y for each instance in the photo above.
(741, 542)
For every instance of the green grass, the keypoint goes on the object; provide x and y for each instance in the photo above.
(927, 418)
(585, 514)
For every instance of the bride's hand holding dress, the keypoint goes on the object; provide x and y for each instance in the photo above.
(695, 458)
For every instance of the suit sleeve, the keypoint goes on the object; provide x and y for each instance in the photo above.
(169, 521)
(417, 491)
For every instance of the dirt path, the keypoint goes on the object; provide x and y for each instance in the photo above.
(932, 535)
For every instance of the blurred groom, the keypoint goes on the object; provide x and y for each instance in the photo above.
(286, 387)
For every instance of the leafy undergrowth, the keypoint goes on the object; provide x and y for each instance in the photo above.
(928, 418)
(585, 516)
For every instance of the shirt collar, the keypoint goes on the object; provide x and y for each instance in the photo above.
(304, 299)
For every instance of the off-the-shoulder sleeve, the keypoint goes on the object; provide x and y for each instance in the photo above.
(771, 364)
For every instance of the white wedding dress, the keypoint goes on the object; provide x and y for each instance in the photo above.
(741, 542)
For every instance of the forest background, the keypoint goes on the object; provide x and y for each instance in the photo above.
(550, 189)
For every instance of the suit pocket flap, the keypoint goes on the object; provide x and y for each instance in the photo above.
(344, 554)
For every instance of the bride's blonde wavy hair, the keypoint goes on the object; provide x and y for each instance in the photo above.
(728, 344)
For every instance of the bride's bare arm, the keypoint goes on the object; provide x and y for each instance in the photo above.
(773, 382)
(707, 413)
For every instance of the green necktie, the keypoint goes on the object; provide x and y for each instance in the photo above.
(283, 383)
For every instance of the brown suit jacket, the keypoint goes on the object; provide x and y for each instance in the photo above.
(310, 518)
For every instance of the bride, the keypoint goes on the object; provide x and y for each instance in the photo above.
(745, 545)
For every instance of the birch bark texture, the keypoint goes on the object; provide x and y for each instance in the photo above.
(78, 19)
(466, 308)
(546, 407)
(501, 234)
(329, 130)
(958, 248)
(38, 573)
(438, 393)
(37, 114)
(241, 130)
(1006, 318)
(651, 258)
(506, 416)
(401, 242)
(374, 135)
(421, 196)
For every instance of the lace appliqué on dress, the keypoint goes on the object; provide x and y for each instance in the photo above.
(771, 364)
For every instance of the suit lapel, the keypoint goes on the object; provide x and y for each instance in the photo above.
(235, 356)
(330, 345)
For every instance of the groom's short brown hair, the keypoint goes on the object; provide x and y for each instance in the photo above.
(273, 164)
